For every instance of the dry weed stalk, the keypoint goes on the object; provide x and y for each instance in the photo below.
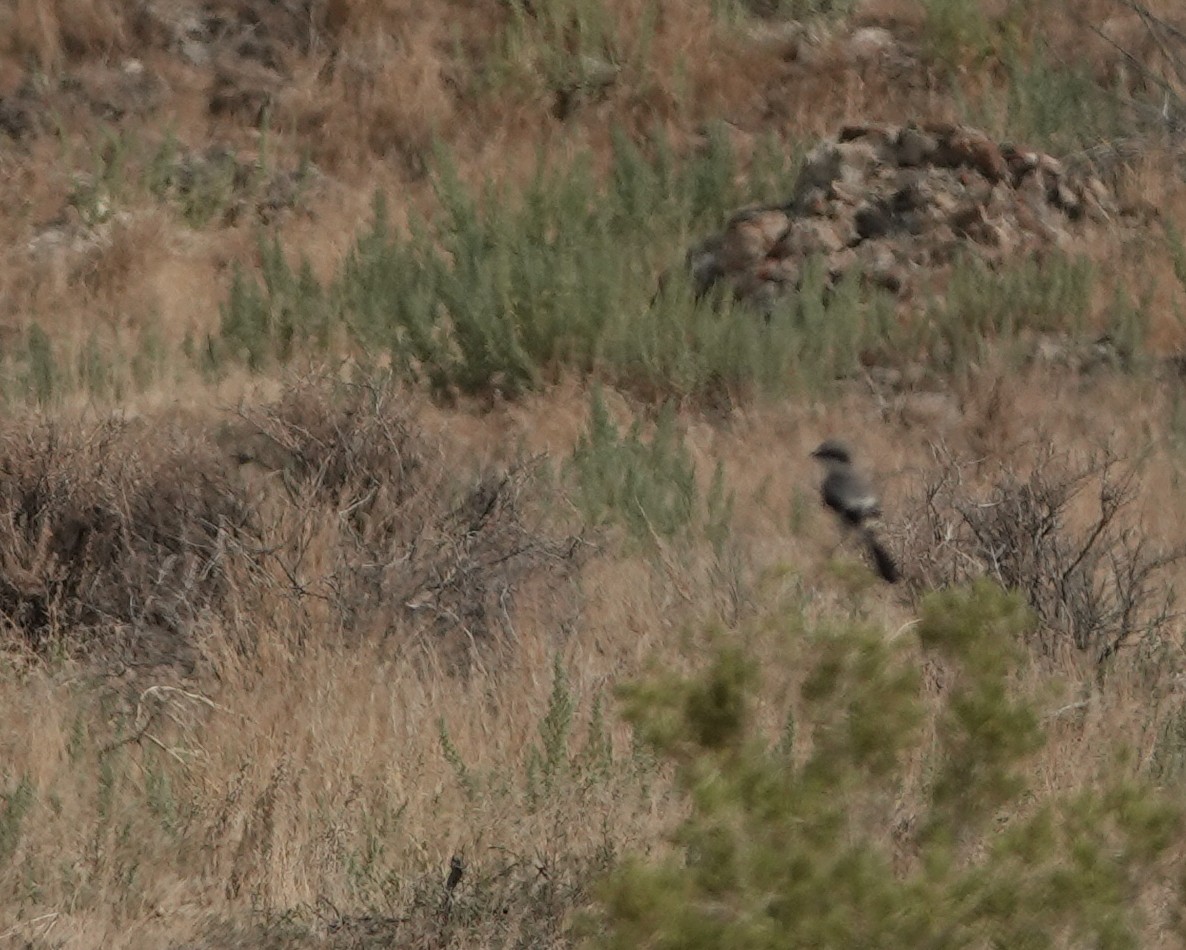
(181, 707)
(1168, 40)
(1094, 578)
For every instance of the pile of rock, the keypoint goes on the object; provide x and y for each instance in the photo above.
(887, 204)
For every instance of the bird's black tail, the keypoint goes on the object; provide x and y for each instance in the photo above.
(886, 566)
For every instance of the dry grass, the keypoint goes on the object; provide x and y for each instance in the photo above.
(48, 33)
(302, 772)
(399, 757)
(317, 777)
(363, 89)
(273, 654)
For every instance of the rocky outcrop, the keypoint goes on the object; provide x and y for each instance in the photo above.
(886, 204)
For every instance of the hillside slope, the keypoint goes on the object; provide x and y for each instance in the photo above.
(388, 384)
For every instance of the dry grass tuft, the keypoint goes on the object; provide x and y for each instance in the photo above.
(49, 34)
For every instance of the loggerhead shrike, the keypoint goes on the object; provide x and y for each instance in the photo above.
(850, 496)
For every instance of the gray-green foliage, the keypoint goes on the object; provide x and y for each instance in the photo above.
(1055, 105)
(203, 190)
(957, 31)
(1128, 325)
(1168, 761)
(1044, 98)
(42, 369)
(1177, 250)
(573, 48)
(94, 368)
(42, 378)
(783, 9)
(650, 486)
(468, 781)
(550, 760)
(983, 305)
(562, 759)
(505, 293)
(789, 849)
(212, 185)
(263, 323)
(502, 293)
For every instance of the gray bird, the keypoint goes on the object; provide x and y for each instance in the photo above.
(850, 496)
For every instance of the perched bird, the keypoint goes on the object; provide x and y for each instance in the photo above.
(850, 496)
(456, 870)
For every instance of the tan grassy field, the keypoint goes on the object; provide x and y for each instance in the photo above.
(291, 619)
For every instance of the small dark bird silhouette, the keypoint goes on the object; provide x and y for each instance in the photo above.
(456, 870)
(850, 496)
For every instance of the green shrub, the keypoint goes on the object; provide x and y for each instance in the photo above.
(563, 760)
(151, 359)
(505, 294)
(95, 372)
(957, 32)
(550, 761)
(1177, 250)
(14, 805)
(271, 322)
(96, 195)
(40, 370)
(508, 293)
(42, 374)
(203, 190)
(1050, 104)
(501, 293)
(569, 47)
(650, 487)
(783, 9)
(789, 847)
(982, 305)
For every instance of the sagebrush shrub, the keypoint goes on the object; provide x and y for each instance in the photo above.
(787, 846)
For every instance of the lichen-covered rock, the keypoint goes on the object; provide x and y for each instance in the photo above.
(885, 203)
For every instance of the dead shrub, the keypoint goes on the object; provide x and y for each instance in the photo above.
(120, 542)
(1064, 536)
(336, 444)
(408, 545)
(112, 540)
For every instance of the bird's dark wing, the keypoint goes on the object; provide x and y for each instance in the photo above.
(849, 495)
